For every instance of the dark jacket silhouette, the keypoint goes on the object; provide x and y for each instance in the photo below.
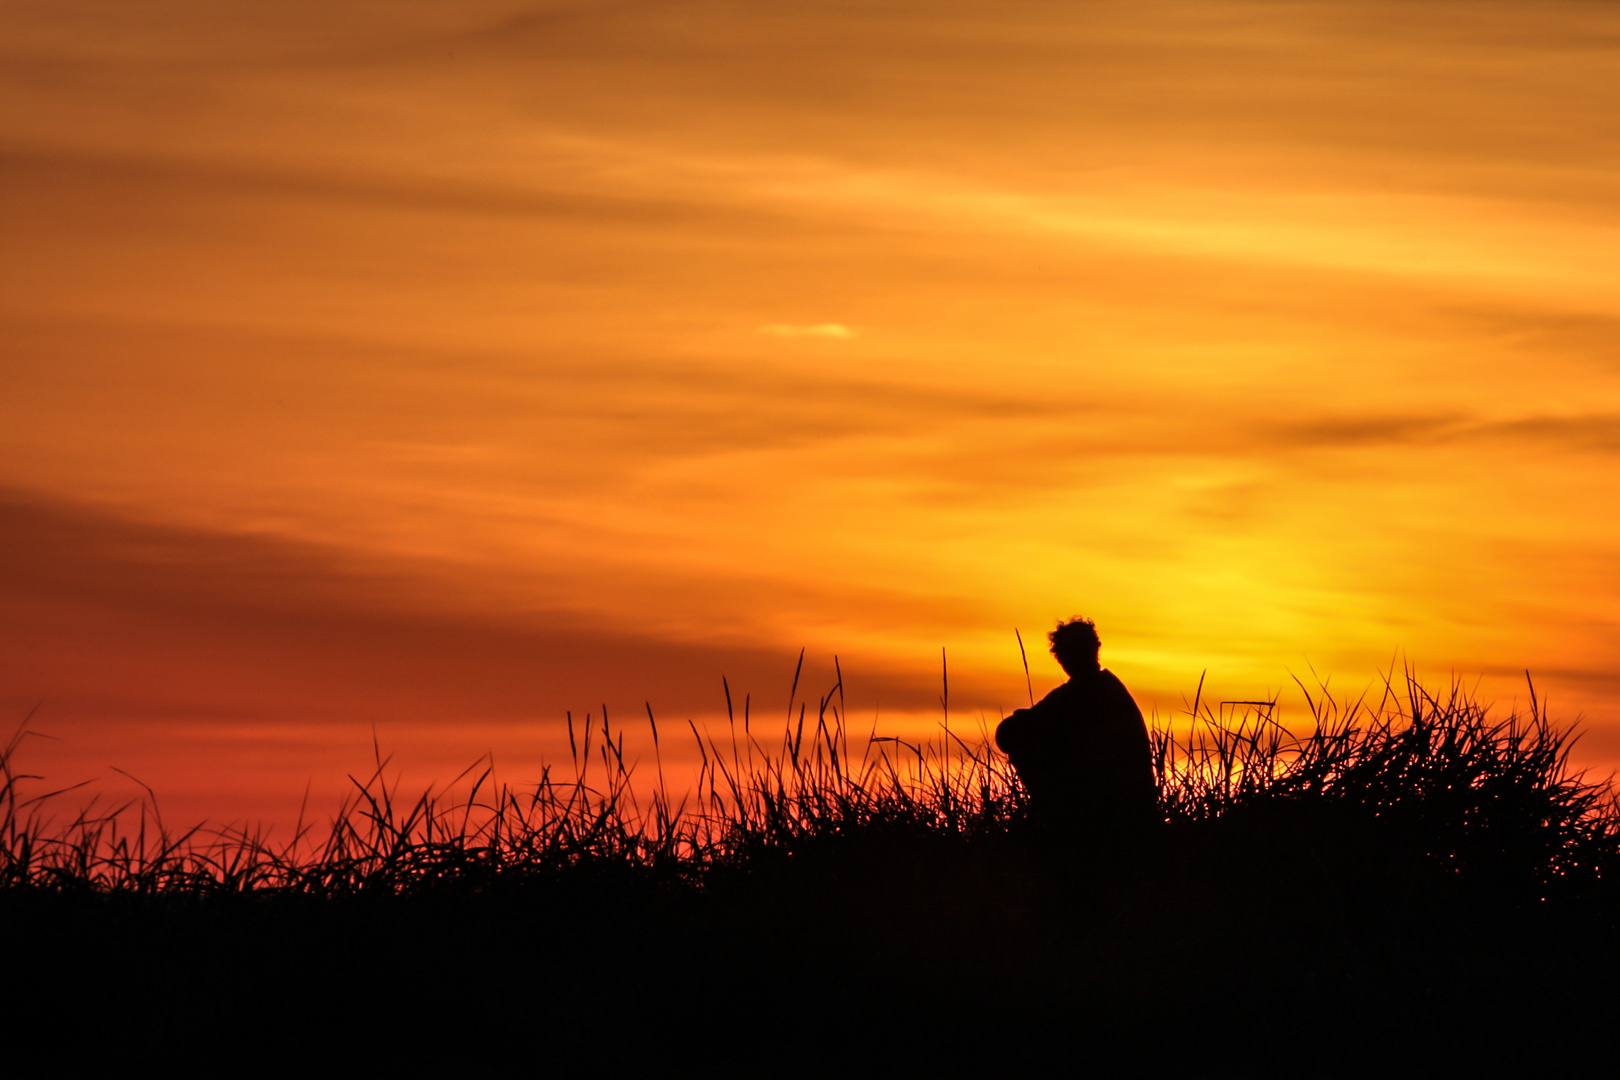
(1082, 754)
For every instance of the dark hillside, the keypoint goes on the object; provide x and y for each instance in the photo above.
(1413, 886)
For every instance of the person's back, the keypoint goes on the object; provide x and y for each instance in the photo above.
(1082, 752)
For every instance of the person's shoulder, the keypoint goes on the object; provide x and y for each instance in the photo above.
(1110, 684)
(1059, 695)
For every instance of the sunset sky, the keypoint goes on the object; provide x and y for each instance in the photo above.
(435, 367)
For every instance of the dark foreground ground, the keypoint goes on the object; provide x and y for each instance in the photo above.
(909, 953)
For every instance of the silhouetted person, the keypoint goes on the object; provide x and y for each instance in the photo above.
(1082, 752)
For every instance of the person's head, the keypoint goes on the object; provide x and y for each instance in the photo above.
(1075, 644)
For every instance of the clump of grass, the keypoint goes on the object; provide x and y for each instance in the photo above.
(746, 800)
(1427, 777)
(1431, 777)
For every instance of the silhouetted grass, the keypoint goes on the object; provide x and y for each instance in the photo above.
(747, 801)
(1417, 776)
(1407, 855)
(1426, 775)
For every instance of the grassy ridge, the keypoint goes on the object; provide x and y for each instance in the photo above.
(1409, 876)
(1427, 776)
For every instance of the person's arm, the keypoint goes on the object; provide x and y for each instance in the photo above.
(1011, 731)
(1013, 735)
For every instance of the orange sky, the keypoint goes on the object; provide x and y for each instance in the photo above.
(443, 366)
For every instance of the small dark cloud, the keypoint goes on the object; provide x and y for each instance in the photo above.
(1583, 335)
(139, 177)
(700, 410)
(1364, 430)
(1596, 433)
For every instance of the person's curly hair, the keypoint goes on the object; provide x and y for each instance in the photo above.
(1075, 644)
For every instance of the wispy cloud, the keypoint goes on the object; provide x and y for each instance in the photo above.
(811, 330)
